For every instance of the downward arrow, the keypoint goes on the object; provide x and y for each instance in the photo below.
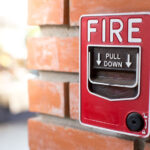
(128, 63)
(99, 59)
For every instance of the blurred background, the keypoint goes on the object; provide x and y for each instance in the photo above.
(13, 74)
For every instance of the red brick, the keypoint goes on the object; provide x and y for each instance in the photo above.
(57, 54)
(74, 100)
(47, 97)
(147, 146)
(80, 7)
(41, 12)
(49, 136)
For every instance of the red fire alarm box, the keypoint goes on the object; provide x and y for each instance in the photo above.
(115, 72)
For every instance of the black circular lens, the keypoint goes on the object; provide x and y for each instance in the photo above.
(135, 122)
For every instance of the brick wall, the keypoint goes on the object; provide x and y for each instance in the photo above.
(54, 93)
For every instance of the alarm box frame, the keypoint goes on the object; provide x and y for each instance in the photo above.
(146, 116)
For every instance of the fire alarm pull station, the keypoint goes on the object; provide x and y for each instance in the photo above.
(115, 72)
